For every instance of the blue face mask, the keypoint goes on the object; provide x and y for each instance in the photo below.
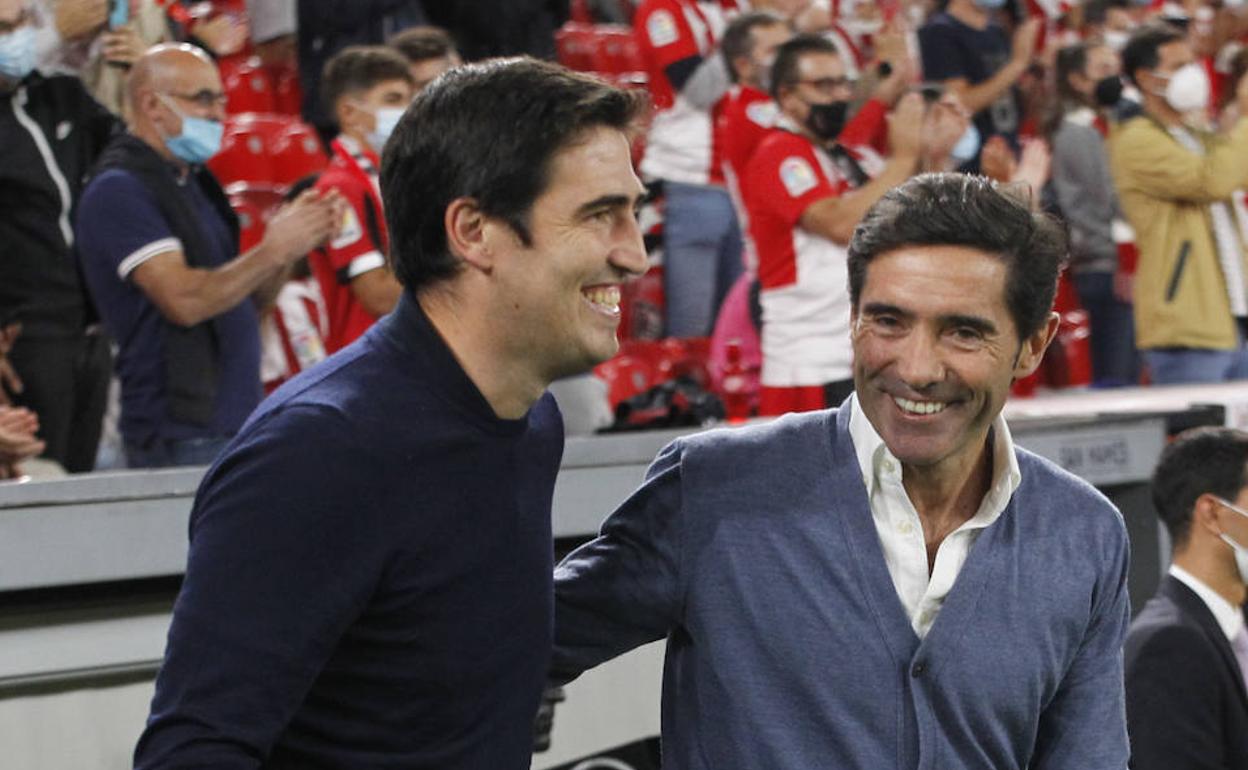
(200, 138)
(17, 52)
(967, 147)
(990, 5)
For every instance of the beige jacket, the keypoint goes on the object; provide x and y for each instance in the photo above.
(1165, 191)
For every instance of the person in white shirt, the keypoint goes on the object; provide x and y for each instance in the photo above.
(1187, 651)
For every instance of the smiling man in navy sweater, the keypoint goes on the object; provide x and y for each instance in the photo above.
(892, 584)
(369, 578)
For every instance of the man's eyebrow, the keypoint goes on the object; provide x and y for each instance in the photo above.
(609, 202)
(978, 323)
(883, 308)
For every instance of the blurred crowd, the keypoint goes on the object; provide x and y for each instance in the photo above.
(140, 244)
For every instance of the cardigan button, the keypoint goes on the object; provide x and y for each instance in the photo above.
(918, 670)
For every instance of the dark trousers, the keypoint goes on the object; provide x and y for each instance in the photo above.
(1115, 361)
(66, 385)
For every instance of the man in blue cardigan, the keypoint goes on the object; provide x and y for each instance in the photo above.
(892, 584)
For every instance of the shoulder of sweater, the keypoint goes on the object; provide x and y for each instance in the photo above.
(1069, 496)
(796, 426)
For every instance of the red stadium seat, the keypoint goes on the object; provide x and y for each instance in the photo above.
(244, 157)
(296, 153)
(248, 87)
(254, 204)
(616, 51)
(287, 93)
(575, 45)
(625, 376)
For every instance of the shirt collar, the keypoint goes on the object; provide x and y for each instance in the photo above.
(1230, 619)
(875, 459)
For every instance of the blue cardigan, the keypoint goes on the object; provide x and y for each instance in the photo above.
(752, 550)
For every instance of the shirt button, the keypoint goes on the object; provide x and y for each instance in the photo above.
(888, 466)
(927, 617)
(919, 669)
(905, 527)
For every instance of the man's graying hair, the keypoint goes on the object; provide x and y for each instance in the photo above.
(971, 211)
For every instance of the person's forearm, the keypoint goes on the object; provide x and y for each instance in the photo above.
(213, 292)
(979, 97)
(265, 295)
(838, 223)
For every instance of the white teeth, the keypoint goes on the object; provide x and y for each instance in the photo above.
(606, 296)
(919, 407)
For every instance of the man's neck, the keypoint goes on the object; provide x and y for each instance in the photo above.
(968, 13)
(946, 496)
(1205, 565)
(1161, 111)
(478, 345)
(152, 138)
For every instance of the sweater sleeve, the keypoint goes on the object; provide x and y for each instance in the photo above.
(285, 550)
(1146, 160)
(622, 589)
(1084, 726)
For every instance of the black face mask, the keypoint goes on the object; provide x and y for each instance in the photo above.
(1108, 91)
(826, 120)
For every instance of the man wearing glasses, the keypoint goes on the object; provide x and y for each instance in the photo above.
(159, 248)
(1187, 651)
(805, 192)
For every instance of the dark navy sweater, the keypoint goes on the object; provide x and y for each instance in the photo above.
(369, 577)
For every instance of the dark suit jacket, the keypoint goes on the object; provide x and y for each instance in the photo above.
(1187, 708)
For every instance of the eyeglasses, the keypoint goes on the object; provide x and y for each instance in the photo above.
(828, 85)
(204, 98)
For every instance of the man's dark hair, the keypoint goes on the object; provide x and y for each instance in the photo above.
(1140, 52)
(358, 68)
(784, 72)
(1199, 461)
(419, 44)
(971, 211)
(486, 131)
(738, 39)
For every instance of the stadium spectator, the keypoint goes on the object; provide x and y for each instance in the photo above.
(805, 194)
(1085, 194)
(325, 27)
(292, 334)
(1187, 650)
(51, 130)
(159, 248)
(429, 52)
(1175, 182)
(91, 49)
(968, 53)
(368, 88)
(701, 237)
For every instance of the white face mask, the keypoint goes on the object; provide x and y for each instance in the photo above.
(1188, 88)
(1241, 552)
(1116, 38)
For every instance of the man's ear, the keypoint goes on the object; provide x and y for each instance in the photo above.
(1205, 514)
(467, 233)
(1032, 351)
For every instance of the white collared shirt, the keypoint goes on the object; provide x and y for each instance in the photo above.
(1230, 618)
(901, 531)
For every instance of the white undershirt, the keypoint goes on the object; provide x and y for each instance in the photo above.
(901, 531)
(1230, 618)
